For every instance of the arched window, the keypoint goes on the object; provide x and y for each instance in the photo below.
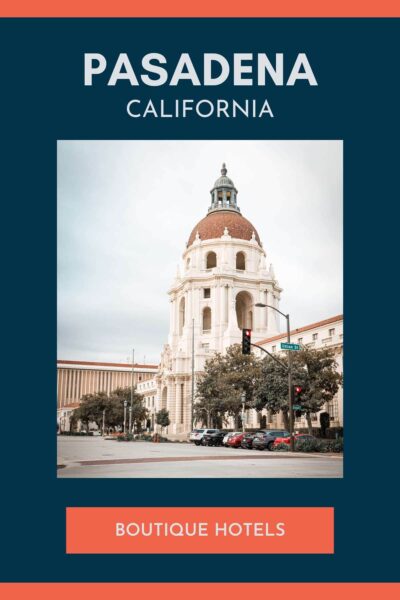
(241, 261)
(244, 310)
(164, 396)
(211, 260)
(181, 315)
(207, 319)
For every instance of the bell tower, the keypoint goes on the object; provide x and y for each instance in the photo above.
(222, 275)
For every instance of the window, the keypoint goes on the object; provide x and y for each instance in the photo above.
(331, 332)
(207, 319)
(181, 315)
(211, 260)
(273, 348)
(240, 261)
(300, 341)
(315, 336)
(207, 293)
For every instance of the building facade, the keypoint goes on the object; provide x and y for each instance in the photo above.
(77, 378)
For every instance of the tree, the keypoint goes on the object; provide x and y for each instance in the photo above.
(92, 406)
(162, 418)
(314, 370)
(91, 409)
(220, 388)
(115, 411)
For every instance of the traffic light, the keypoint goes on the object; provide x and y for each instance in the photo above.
(297, 394)
(246, 341)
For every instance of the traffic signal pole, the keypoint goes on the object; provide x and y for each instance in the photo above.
(289, 370)
(291, 420)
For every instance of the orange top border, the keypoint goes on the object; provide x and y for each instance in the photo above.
(205, 8)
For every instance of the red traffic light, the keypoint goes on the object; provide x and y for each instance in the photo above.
(246, 341)
(298, 389)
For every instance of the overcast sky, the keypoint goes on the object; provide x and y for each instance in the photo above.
(125, 212)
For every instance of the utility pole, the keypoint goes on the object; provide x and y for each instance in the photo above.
(192, 402)
(132, 378)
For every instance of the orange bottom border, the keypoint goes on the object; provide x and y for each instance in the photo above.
(198, 591)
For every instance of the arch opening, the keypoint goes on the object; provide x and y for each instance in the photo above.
(211, 260)
(244, 310)
(164, 397)
(241, 261)
(181, 315)
(206, 319)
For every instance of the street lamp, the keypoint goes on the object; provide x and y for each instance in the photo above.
(291, 424)
(104, 421)
(125, 404)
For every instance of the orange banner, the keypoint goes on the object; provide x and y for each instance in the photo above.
(200, 530)
(198, 591)
(206, 8)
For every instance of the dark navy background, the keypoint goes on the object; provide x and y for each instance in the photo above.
(43, 99)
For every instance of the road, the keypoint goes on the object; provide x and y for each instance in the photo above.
(94, 457)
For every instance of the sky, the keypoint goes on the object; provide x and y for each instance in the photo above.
(126, 210)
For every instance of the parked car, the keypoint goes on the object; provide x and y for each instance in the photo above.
(297, 436)
(229, 435)
(266, 439)
(214, 438)
(235, 440)
(197, 435)
(247, 440)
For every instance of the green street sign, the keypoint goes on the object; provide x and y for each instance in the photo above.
(297, 407)
(286, 346)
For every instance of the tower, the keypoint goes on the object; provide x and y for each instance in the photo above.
(223, 274)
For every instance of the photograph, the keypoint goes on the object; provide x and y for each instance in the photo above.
(200, 309)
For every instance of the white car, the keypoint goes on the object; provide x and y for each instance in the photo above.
(197, 435)
(228, 435)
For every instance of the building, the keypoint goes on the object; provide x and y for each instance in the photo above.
(223, 274)
(77, 378)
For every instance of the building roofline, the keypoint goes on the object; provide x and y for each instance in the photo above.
(105, 364)
(302, 329)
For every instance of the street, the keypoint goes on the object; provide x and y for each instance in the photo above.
(96, 457)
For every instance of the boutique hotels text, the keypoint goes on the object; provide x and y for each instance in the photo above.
(238, 70)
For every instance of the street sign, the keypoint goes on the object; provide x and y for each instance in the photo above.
(297, 407)
(286, 346)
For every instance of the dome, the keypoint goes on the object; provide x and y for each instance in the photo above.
(213, 226)
(223, 180)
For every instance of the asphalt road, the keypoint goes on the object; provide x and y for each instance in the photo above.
(95, 457)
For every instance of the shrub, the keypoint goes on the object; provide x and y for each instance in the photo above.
(76, 433)
(282, 447)
(309, 445)
(127, 437)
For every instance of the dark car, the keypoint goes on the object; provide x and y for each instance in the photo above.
(247, 440)
(213, 438)
(265, 440)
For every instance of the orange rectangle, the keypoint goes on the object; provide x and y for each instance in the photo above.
(198, 591)
(200, 530)
(206, 8)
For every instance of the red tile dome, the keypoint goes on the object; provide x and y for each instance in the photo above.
(213, 226)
